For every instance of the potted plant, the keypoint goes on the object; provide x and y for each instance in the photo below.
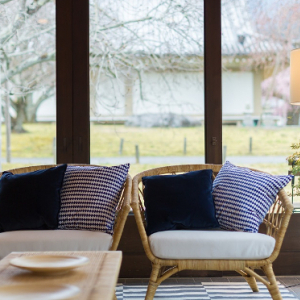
(294, 161)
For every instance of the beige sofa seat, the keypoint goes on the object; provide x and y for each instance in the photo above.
(210, 244)
(53, 240)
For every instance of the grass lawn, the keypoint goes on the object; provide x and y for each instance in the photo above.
(36, 142)
(105, 142)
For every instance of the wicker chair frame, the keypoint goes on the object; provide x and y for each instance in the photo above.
(276, 223)
(123, 206)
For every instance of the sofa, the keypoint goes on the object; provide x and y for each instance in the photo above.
(68, 239)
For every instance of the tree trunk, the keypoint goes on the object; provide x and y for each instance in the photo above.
(20, 110)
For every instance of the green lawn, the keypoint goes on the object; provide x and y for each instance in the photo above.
(36, 142)
(105, 142)
(265, 141)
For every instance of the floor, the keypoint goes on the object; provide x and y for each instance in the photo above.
(291, 282)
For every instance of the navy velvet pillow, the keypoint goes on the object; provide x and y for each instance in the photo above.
(181, 201)
(31, 200)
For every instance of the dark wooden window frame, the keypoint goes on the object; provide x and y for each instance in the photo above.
(213, 81)
(72, 81)
(72, 77)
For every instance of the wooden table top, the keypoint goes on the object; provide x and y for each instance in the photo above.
(96, 280)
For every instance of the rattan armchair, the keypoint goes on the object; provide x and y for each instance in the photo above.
(123, 206)
(276, 223)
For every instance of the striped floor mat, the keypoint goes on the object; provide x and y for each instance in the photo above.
(204, 290)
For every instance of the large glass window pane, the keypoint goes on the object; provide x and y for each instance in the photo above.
(147, 89)
(259, 123)
(27, 75)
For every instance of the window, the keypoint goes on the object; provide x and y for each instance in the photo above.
(72, 57)
(28, 82)
(257, 37)
(146, 82)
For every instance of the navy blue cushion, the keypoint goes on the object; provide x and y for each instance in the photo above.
(181, 201)
(31, 200)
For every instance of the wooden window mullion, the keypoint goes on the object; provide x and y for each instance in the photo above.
(72, 80)
(212, 81)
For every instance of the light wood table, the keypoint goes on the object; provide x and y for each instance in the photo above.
(96, 280)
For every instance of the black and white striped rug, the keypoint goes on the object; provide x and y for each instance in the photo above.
(204, 290)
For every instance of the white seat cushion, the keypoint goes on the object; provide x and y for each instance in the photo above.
(211, 244)
(53, 240)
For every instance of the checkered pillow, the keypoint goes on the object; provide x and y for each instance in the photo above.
(89, 197)
(243, 197)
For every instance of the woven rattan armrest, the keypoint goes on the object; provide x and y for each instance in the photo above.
(277, 220)
(123, 209)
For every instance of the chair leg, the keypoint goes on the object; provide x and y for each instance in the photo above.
(152, 286)
(250, 280)
(272, 286)
(252, 283)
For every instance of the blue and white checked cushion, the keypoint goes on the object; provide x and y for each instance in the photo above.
(89, 197)
(243, 197)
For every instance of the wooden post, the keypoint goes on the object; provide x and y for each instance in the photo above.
(137, 154)
(224, 153)
(121, 146)
(184, 146)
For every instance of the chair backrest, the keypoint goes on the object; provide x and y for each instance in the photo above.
(276, 220)
(122, 209)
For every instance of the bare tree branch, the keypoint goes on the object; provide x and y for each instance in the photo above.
(20, 53)
(27, 64)
(24, 36)
(10, 31)
(140, 84)
(4, 1)
(36, 5)
(39, 33)
(18, 22)
(125, 23)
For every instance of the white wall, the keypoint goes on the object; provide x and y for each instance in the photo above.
(237, 93)
(180, 93)
(47, 110)
(108, 96)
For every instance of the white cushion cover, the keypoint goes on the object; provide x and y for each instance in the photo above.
(211, 244)
(53, 240)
